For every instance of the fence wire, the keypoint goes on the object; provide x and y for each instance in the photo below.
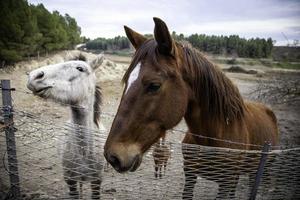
(41, 145)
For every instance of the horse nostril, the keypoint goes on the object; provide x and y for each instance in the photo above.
(114, 161)
(40, 75)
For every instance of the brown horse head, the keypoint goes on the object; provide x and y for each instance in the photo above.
(154, 99)
(165, 82)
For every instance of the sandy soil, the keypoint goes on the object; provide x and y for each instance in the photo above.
(40, 168)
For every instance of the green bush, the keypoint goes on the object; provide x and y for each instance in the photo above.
(10, 56)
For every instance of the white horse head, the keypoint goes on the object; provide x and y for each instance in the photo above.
(69, 82)
(72, 82)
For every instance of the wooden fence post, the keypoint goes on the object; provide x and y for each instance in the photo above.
(10, 140)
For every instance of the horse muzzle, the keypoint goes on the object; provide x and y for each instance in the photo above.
(124, 158)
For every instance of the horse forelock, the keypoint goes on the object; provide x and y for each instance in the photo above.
(217, 96)
(79, 56)
(149, 50)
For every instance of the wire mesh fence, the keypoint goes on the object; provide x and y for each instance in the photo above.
(41, 143)
(48, 151)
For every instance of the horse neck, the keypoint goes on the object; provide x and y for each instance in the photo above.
(198, 124)
(82, 117)
(215, 103)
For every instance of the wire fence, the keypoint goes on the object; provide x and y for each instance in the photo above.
(41, 144)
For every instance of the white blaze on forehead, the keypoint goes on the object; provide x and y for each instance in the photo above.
(133, 76)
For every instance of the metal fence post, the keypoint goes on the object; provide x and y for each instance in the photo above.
(260, 170)
(10, 140)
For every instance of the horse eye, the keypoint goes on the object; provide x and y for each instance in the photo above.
(80, 69)
(153, 87)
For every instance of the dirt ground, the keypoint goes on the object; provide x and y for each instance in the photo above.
(109, 76)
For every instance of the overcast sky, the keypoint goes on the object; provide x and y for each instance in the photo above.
(247, 18)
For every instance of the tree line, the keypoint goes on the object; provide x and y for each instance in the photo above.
(28, 30)
(232, 45)
(116, 43)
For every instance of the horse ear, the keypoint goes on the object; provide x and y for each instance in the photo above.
(97, 61)
(163, 38)
(135, 38)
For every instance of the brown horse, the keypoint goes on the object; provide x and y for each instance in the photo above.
(167, 81)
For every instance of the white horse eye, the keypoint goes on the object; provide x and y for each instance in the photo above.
(80, 69)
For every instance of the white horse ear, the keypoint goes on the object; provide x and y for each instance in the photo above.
(97, 61)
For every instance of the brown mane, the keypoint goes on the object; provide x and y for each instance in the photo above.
(216, 93)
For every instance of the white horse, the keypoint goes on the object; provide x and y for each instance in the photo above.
(74, 83)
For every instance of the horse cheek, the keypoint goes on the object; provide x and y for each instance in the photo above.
(174, 109)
